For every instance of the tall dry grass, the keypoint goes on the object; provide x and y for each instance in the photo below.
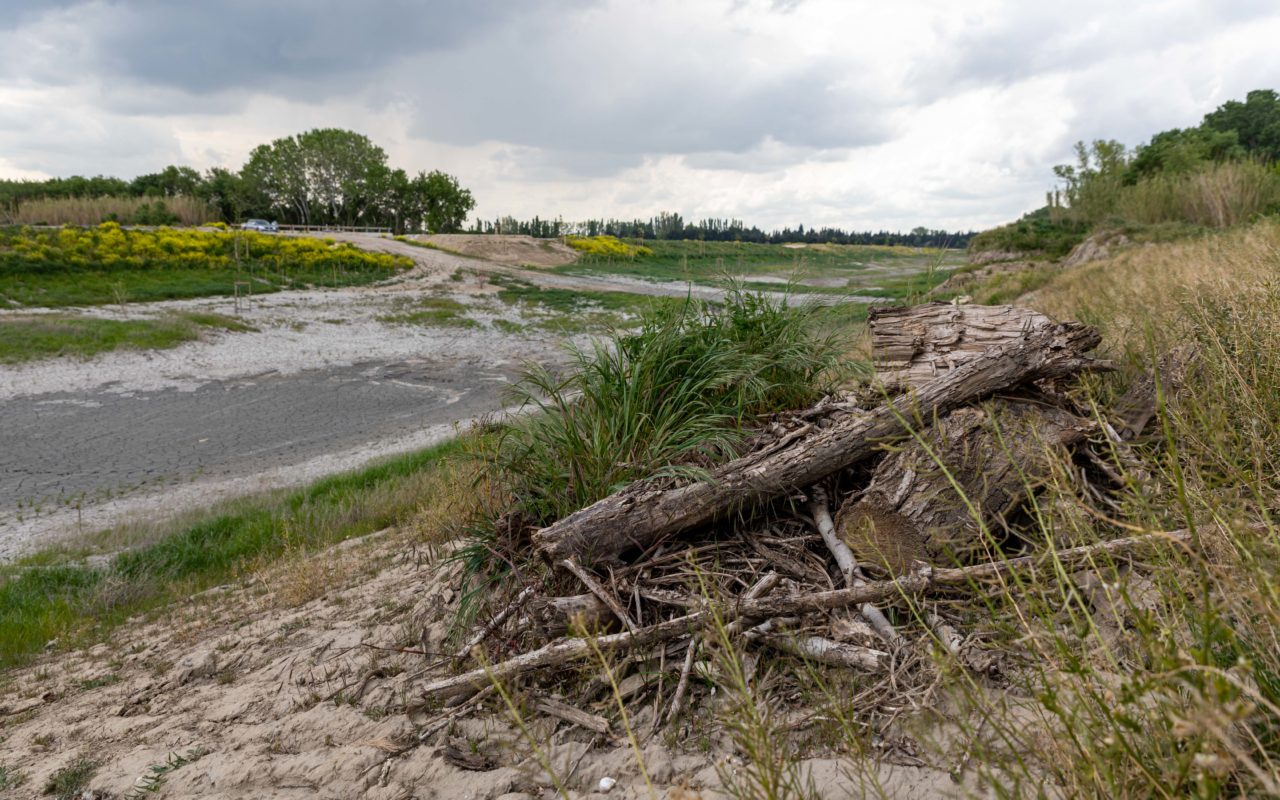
(1216, 196)
(93, 210)
(1158, 677)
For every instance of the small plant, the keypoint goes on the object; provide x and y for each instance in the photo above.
(70, 782)
(11, 778)
(155, 776)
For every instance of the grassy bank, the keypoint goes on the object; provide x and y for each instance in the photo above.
(58, 595)
(27, 338)
(1159, 678)
(108, 264)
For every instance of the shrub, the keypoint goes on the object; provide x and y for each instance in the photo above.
(606, 247)
(667, 399)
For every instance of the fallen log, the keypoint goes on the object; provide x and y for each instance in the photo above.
(640, 515)
(770, 606)
(938, 499)
(912, 345)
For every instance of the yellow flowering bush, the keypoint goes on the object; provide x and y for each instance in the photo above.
(606, 247)
(108, 246)
(57, 267)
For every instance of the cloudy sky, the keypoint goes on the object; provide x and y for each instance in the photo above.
(856, 113)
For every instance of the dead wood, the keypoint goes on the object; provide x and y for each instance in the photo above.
(825, 651)
(576, 716)
(641, 515)
(556, 616)
(772, 606)
(938, 498)
(913, 345)
(849, 567)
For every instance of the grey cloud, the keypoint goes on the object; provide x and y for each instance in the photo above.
(1022, 40)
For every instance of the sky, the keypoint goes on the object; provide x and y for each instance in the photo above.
(862, 115)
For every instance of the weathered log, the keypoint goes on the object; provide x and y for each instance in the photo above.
(556, 616)
(938, 498)
(640, 515)
(571, 650)
(913, 345)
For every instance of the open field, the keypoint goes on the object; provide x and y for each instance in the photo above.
(888, 272)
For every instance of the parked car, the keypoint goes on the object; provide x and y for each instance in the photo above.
(260, 225)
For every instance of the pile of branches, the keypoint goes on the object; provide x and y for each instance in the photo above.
(837, 518)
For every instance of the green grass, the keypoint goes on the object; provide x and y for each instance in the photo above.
(70, 782)
(94, 288)
(712, 262)
(437, 312)
(678, 390)
(56, 594)
(27, 338)
(56, 268)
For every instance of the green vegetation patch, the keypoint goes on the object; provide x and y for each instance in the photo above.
(46, 596)
(432, 312)
(850, 267)
(27, 338)
(109, 264)
(567, 301)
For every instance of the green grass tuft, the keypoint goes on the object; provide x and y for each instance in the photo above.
(44, 597)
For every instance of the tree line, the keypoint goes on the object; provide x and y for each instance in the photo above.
(669, 225)
(1216, 173)
(320, 177)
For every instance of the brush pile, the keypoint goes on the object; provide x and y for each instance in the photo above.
(847, 534)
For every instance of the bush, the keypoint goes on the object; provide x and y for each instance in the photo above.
(606, 247)
(1036, 233)
(668, 399)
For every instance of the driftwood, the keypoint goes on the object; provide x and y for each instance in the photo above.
(938, 499)
(913, 345)
(849, 567)
(639, 516)
(772, 606)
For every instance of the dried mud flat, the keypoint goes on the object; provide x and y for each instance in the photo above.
(263, 697)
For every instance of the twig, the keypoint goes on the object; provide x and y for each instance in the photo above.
(595, 588)
(566, 712)
(950, 638)
(825, 651)
(677, 701)
(570, 650)
(849, 566)
(493, 624)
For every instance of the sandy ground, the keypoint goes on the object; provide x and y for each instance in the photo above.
(271, 697)
(516, 251)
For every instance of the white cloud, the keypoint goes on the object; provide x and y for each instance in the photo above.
(857, 114)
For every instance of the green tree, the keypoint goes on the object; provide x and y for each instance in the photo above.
(446, 202)
(1256, 122)
(169, 182)
(323, 176)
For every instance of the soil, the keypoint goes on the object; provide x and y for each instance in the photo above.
(515, 251)
(269, 697)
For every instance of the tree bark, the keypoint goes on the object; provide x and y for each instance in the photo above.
(938, 499)
(913, 345)
(640, 515)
